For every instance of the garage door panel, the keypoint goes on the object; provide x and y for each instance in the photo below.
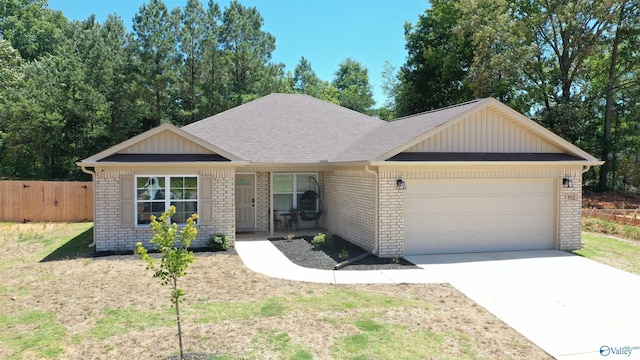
(479, 215)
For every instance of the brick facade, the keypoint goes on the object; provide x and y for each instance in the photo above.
(349, 204)
(570, 206)
(111, 235)
(391, 220)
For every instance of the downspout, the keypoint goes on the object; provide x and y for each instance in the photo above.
(271, 215)
(93, 178)
(377, 195)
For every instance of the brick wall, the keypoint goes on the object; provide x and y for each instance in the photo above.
(391, 221)
(349, 204)
(110, 235)
(570, 206)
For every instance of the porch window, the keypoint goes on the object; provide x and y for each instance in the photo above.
(154, 195)
(287, 189)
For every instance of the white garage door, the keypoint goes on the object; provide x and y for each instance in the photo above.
(455, 216)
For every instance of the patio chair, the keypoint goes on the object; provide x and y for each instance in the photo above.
(308, 209)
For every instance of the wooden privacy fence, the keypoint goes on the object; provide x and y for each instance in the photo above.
(46, 201)
(623, 216)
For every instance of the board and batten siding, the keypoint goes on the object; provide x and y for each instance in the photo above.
(165, 142)
(485, 131)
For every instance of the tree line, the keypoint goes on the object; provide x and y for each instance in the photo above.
(70, 89)
(573, 66)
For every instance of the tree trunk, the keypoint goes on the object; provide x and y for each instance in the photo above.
(177, 301)
(608, 109)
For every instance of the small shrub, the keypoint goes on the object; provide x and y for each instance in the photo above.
(322, 241)
(631, 232)
(219, 242)
(611, 228)
(589, 224)
(344, 254)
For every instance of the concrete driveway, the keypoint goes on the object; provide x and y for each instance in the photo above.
(571, 307)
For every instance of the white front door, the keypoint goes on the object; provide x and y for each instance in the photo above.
(456, 216)
(245, 201)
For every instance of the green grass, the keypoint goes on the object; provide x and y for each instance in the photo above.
(75, 247)
(281, 343)
(602, 226)
(621, 254)
(32, 331)
(385, 340)
(122, 321)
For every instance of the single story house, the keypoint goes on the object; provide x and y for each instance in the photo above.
(472, 177)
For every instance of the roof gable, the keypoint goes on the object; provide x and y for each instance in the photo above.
(485, 131)
(164, 139)
(487, 126)
(394, 136)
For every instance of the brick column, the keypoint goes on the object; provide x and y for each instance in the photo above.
(570, 228)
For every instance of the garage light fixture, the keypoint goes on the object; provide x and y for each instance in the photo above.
(568, 183)
(401, 184)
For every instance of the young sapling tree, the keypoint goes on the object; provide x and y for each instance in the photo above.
(176, 257)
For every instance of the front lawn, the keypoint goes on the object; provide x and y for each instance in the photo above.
(617, 252)
(79, 307)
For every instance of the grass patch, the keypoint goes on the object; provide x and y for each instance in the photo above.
(385, 340)
(76, 247)
(621, 254)
(36, 241)
(280, 343)
(122, 321)
(32, 332)
(602, 226)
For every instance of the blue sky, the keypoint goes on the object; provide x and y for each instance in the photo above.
(324, 31)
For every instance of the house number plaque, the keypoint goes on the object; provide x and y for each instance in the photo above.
(571, 197)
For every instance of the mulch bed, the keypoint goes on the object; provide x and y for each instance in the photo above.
(300, 251)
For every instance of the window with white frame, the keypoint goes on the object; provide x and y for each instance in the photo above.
(154, 195)
(287, 189)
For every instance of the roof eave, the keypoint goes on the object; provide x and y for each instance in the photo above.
(486, 163)
(175, 164)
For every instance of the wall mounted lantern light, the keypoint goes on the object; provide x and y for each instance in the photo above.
(568, 183)
(401, 184)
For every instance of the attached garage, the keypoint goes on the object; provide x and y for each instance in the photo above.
(475, 215)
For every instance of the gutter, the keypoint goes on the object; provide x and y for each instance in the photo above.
(90, 171)
(376, 235)
(487, 163)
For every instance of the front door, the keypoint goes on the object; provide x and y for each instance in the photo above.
(245, 201)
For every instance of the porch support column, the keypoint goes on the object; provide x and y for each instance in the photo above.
(270, 204)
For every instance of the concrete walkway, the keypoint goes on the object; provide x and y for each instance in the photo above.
(571, 307)
(263, 257)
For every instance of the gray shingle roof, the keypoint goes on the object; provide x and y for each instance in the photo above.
(396, 133)
(285, 128)
(300, 129)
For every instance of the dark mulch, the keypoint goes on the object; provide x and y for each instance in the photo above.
(122, 255)
(300, 251)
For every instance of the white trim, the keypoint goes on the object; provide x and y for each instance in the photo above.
(295, 191)
(167, 200)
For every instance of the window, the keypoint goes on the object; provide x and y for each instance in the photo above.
(154, 194)
(285, 186)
